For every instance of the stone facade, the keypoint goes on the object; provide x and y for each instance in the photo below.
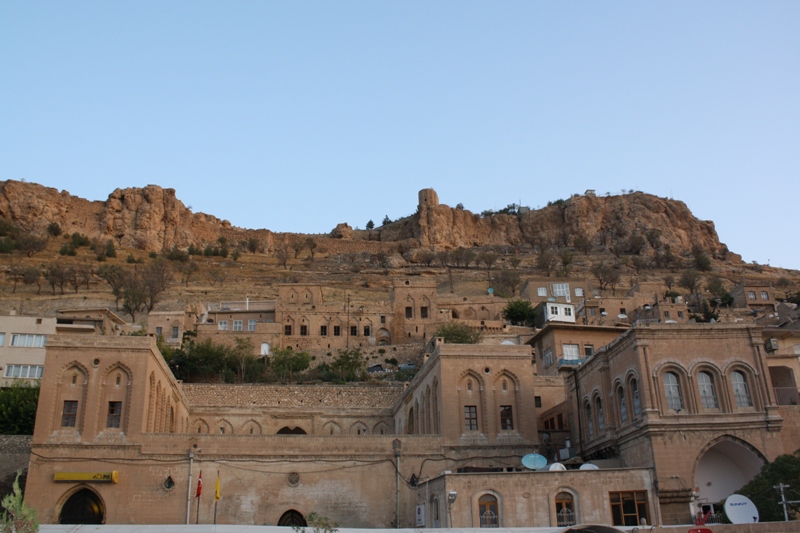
(370, 456)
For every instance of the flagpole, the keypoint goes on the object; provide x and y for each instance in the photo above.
(197, 497)
(189, 498)
(216, 498)
(199, 493)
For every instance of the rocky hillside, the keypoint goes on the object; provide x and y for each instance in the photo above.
(153, 219)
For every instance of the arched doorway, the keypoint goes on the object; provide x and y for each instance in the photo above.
(83, 507)
(487, 505)
(286, 430)
(723, 468)
(292, 518)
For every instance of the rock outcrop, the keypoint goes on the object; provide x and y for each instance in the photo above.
(152, 218)
(603, 221)
(149, 218)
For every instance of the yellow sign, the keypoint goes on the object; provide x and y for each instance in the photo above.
(89, 477)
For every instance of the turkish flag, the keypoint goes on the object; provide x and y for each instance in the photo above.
(199, 485)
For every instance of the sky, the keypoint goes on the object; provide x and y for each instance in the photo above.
(296, 116)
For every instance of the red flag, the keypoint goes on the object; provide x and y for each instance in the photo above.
(199, 485)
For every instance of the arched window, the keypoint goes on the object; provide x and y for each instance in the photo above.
(565, 509)
(741, 392)
(601, 424)
(623, 408)
(637, 404)
(589, 422)
(672, 390)
(708, 394)
(487, 504)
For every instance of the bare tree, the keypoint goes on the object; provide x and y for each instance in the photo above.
(217, 275)
(311, 244)
(15, 273)
(567, 259)
(31, 275)
(56, 275)
(282, 254)
(187, 271)
(606, 274)
(298, 245)
(427, 257)
(117, 278)
(547, 261)
(156, 278)
(134, 298)
(30, 244)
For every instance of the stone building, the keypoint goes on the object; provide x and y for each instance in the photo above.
(676, 416)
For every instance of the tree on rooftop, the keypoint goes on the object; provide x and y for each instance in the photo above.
(519, 313)
(458, 333)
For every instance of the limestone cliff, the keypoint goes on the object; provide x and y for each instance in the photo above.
(152, 218)
(604, 221)
(149, 218)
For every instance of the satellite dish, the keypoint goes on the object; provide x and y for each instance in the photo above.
(740, 509)
(534, 461)
(557, 467)
(623, 316)
(589, 466)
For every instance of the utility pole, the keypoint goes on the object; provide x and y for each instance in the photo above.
(780, 487)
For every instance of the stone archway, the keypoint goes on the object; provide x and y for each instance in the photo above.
(83, 507)
(292, 518)
(724, 467)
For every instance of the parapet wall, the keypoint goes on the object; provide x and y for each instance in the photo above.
(288, 396)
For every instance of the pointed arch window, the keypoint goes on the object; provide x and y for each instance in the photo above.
(708, 394)
(589, 422)
(637, 404)
(672, 391)
(623, 408)
(741, 392)
(601, 424)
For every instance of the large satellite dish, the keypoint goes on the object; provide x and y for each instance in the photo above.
(740, 509)
(556, 467)
(534, 461)
(589, 466)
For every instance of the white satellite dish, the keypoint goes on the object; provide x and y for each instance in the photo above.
(740, 509)
(534, 461)
(557, 467)
(622, 316)
(589, 466)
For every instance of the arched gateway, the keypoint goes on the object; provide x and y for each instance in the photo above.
(724, 467)
(83, 507)
(292, 518)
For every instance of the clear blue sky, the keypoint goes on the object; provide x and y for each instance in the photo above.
(295, 116)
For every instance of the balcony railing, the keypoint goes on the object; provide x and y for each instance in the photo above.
(787, 396)
(566, 517)
(569, 362)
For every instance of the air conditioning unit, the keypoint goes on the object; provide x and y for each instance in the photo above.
(771, 344)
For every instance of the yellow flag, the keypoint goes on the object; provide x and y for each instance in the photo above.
(216, 488)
